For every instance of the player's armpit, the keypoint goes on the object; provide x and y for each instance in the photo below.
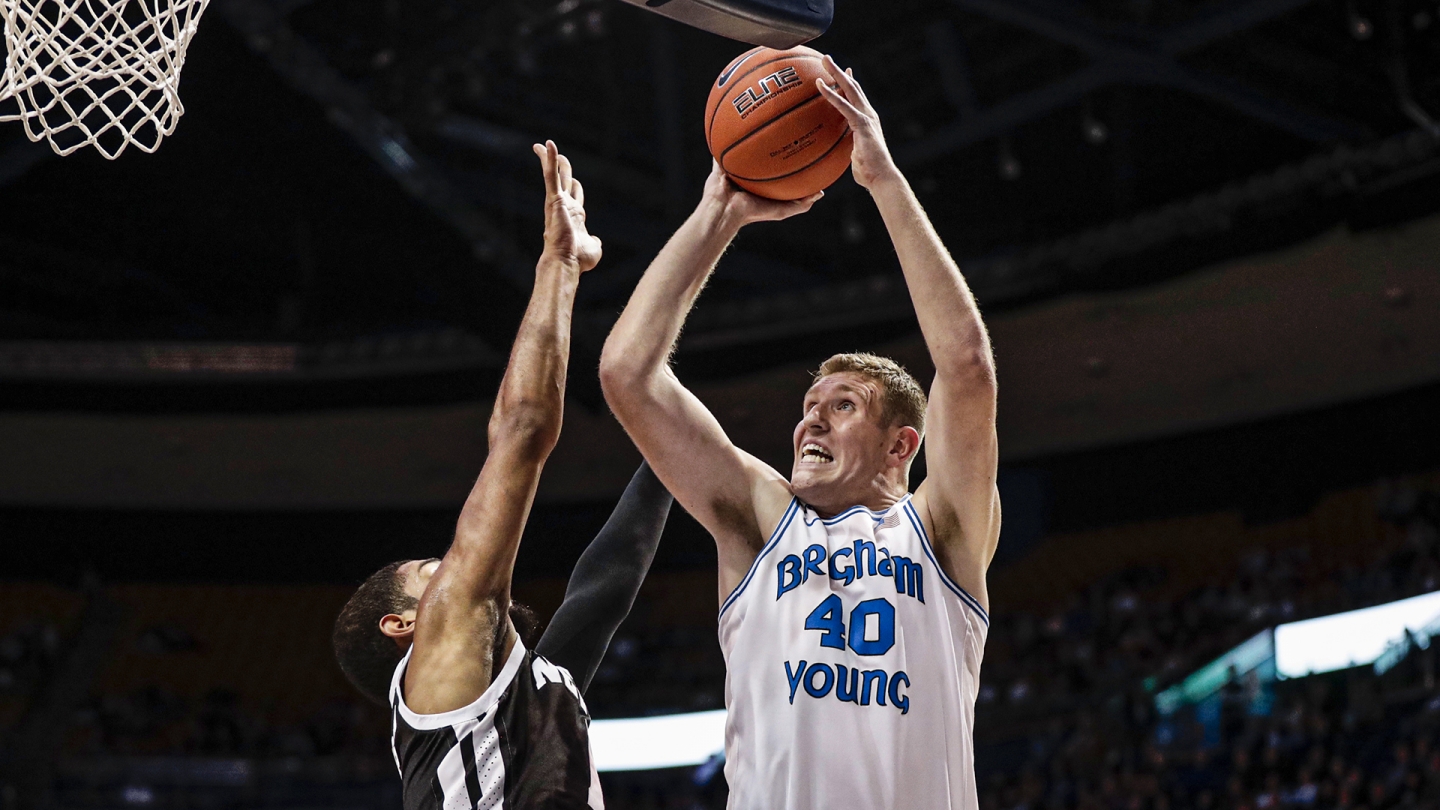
(462, 648)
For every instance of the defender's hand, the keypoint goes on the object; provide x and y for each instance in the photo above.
(565, 236)
(743, 208)
(870, 160)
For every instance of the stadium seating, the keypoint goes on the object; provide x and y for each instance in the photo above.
(211, 689)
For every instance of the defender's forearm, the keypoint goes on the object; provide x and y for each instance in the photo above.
(643, 337)
(524, 426)
(949, 317)
(529, 406)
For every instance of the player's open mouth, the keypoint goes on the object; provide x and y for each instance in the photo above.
(815, 454)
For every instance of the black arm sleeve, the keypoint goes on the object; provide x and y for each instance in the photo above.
(606, 579)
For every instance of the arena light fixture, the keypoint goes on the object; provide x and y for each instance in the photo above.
(1382, 635)
(1351, 639)
(650, 743)
(1211, 678)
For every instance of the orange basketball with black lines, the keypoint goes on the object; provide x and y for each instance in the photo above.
(769, 127)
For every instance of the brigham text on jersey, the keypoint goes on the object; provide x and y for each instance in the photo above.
(848, 565)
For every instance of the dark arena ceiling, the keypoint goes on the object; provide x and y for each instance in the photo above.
(349, 211)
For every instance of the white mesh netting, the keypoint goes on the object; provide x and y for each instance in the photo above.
(102, 73)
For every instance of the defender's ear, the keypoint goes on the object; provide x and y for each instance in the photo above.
(399, 627)
(905, 446)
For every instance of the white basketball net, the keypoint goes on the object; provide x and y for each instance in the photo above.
(101, 73)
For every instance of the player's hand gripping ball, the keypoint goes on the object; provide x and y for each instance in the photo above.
(770, 129)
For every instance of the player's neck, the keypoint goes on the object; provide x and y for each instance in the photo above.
(884, 494)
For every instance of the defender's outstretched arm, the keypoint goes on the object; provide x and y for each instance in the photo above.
(731, 493)
(462, 621)
(606, 579)
(959, 491)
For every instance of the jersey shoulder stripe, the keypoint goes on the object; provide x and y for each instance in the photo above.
(961, 593)
(775, 536)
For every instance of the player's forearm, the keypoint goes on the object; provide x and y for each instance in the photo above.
(640, 344)
(949, 317)
(529, 406)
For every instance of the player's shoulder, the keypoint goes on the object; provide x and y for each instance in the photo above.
(773, 498)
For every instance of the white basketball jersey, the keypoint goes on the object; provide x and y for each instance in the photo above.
(852, 664)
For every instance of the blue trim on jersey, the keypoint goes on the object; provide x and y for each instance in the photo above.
(964, 595)
(855, 510)
(785, 519)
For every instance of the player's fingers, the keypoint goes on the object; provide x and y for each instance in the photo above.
(859, 91)
(546, 167)
(792, 208)
(803, 204)
(552, 169)
(844, 79)
(716, 171)
(577, 191)
(851, 113)
(856, 94)
(566, 172)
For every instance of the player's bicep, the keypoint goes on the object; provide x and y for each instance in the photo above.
(962, 461)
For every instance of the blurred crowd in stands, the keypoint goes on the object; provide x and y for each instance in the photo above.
(1066, 716)
(1067, 719)
(26, 655)
(153, 721)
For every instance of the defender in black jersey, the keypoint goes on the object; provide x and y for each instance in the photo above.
(524, 743)
(480, 721)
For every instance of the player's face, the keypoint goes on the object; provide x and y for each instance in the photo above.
(416, 574)
(841, 443)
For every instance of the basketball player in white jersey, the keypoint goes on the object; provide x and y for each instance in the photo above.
(853, 615)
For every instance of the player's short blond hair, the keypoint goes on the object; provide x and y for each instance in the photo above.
(902, 399)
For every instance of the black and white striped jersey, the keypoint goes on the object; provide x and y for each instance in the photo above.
(523, 745)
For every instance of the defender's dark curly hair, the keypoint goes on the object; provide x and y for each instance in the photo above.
(368, 657)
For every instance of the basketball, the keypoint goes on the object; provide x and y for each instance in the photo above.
(769, 127)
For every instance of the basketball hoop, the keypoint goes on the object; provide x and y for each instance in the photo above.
(101, 73)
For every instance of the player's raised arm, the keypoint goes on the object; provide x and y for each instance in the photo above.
(958, 496)
(462, 622)
(731, 493)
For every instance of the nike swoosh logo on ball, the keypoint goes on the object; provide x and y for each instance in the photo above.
(725, 77)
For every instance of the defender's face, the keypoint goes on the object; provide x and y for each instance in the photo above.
(841, 443)
(416, 574)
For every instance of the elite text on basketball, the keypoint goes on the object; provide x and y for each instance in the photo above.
(764, 90)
